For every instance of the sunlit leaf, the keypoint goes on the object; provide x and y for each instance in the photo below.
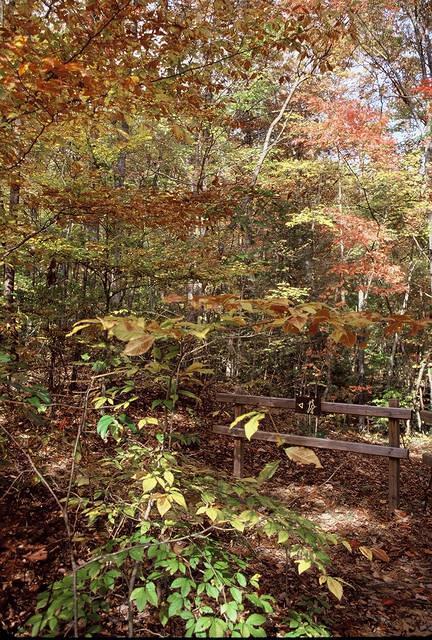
(302, 455)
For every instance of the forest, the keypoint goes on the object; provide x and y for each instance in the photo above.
(216, 318)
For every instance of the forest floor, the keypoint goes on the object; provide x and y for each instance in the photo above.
(348, 496)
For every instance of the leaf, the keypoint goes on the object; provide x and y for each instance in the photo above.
(236, 421)
(139, 346)
(144, 421)
(302, 455)
(203, 623)
(303, 566)
(252, 425)
(230, 610)
(366, 552)
(335, 587)
(179, 498)
(139, 596)
(380, 554)
(38, 555)
(256, 619)
(163, 505)
(212, 513)
(197, 367)
(149, 484)
(152, 595)
(79, 326)
(137, 554)
(283, 536)
(241, 579)
(268, 471)
(99, 402)
(103, 426)
(217, 628)
(169, 477)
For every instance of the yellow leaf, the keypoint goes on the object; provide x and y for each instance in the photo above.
(179, 498)
(149, 484)
(335, 587)
(138, 346)
(282, 536)
(303, 565)
(128, 329)
(322, 579)
(302, 455)
(238, 524)
(347, 545)
(163, 505)
(366, 552)
(169, 477)
(251, 426)
(23, 68)
(149, 420)
(82, 324)
(212, 513)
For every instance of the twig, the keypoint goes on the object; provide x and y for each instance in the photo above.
(130, 590)
(330, 477)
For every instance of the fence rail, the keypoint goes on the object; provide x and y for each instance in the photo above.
(393, 451)
(367, 410)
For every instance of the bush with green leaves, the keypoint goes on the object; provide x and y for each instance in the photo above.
(169, 527)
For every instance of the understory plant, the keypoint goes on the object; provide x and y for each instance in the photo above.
(177, 540)
(174, 538)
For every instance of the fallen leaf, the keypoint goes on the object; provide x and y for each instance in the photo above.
(38, 555)
(380, 554)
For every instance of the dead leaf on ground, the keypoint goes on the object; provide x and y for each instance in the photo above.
(38, 555)
(380, 554)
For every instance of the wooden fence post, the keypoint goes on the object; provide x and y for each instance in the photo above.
(394, 463)
(238, 446)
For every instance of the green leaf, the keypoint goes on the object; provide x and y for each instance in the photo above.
(255, 620)
(241, 579)
(139, 596)
(103, 426)
(268, 471)
(99, 402)
(169, 477)
(152, 595)
(145, 421)
(203, 623)
(137, 554)
(236, 594)
(176, 605)
(230, 610)
(163, 505)
(217, 628)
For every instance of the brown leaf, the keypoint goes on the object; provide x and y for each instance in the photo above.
(380, 554)
(38, 555)
(138, 346)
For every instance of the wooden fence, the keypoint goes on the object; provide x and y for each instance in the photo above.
(394, 452)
